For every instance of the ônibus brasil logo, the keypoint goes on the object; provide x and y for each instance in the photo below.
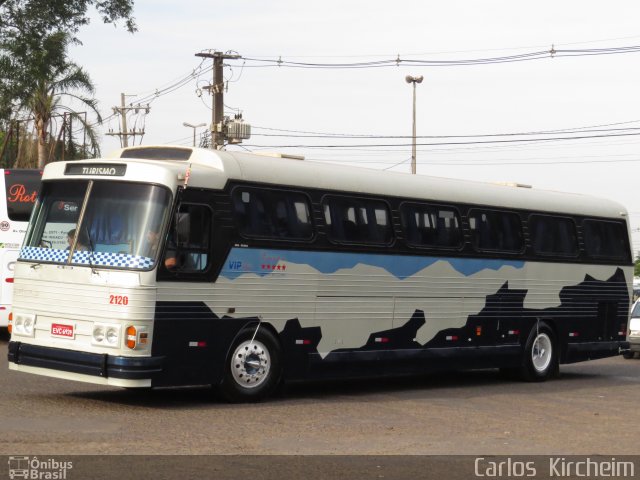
(36, 469)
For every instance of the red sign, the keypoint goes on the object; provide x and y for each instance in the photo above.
(18, 193)
(61, 330)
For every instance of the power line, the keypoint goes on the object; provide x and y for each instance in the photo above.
(443, 52)
(406, 61)
(473, 142)
(484, 135)
(312, 134)
(201, 70)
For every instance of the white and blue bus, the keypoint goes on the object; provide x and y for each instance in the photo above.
(170, 266)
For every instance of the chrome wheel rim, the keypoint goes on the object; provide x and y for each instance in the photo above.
(541, 352)
(250, 364)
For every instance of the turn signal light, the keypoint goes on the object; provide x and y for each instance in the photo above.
(132, 337)
(10, 325)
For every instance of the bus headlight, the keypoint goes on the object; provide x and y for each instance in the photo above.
(28, 325)
(106, 335)
(112, 336)
(24, 324)
(98, 334)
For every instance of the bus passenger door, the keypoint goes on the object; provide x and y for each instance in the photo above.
(184, 329)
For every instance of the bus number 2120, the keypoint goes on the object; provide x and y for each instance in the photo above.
(118, 300)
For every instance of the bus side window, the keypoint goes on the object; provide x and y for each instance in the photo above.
(275, 214)
(553, 235)
(495, 230)
(431, 226)
(189, 240)
(358, 220)
(605, 239)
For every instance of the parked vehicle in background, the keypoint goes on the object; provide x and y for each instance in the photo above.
(634, 331)
(636, 288)
(21, 187)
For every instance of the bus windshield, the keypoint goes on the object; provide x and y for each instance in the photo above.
(98, 223)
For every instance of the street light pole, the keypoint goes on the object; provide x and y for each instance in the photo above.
(414, 80)
(194, 129)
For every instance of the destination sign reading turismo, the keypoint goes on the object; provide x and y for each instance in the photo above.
(100, 169)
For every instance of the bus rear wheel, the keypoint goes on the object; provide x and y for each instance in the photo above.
(540, 354)
(253, 368)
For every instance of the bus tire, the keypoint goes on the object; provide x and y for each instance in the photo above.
(628, 355)
(540, 360)
(253, 368)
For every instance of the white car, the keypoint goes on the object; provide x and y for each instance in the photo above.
(633, 334)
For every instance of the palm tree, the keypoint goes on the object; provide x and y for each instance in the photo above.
(60, 85)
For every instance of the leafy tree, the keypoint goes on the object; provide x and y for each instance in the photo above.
(65, 81)
(28, 31)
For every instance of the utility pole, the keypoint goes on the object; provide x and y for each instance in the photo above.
(123, 114)
(217, 93)
(124, 134)
(414, 80)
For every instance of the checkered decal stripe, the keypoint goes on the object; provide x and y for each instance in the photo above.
(44, 254)
(98, 259)
(109, 259)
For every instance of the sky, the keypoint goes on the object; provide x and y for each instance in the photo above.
(587, 95)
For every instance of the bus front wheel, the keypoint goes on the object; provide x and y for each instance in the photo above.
(540, 354)
(253, 368)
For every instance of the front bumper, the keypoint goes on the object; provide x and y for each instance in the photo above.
(84, 363)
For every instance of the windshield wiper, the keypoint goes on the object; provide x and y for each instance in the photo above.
(91, 250)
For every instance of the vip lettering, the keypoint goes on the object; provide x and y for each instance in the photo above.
(561, 467)
(239, 266)
(507, 468)
(99, 171)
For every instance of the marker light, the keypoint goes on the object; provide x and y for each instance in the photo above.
(10, 325)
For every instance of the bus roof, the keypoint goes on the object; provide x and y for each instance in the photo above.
(213, 169)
